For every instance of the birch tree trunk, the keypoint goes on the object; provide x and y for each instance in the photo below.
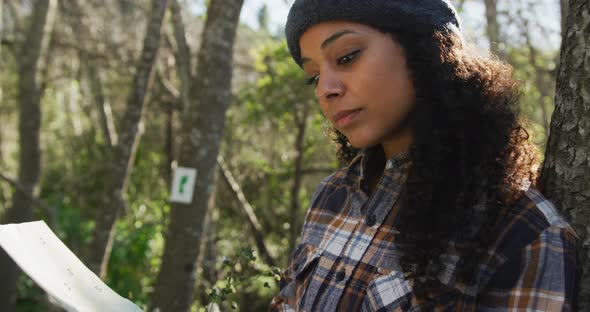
(29, 112)
(123, 154)
(203, 121)
(566, 171)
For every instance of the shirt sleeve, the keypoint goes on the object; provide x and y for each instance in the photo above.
(539, 278)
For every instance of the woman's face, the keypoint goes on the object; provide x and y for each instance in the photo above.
(361, 82)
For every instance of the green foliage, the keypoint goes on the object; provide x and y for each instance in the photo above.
(30, 295)
(280, 91)
(242, 273)
(265, 112)
(537, 89)
(133, 265)
(139, 240)
(76, 167)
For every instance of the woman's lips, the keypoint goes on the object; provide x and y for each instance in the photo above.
(345, 117)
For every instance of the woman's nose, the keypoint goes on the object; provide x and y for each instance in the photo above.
(329, 87)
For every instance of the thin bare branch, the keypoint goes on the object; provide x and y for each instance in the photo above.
(247, 210)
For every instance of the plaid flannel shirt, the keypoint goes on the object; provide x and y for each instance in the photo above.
(347, 259)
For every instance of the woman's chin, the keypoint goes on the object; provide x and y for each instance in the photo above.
(360, 143)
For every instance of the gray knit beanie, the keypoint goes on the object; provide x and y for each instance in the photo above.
(415, 16)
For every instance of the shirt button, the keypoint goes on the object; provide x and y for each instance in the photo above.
(340, 275)
(370, 220)
(364, 187)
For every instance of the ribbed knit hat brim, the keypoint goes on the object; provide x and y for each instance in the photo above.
(415, 16)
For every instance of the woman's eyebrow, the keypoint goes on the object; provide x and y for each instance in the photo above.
(329, 40)
(335, 36)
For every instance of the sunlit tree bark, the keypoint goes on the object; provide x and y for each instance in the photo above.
(203, 122)
(566, 171)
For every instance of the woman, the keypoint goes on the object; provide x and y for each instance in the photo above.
(436, 208)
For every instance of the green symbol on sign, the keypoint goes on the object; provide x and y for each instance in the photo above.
(183, 181)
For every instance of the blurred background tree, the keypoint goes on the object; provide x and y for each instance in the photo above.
(76, 75)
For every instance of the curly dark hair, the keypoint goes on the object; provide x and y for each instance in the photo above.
(469, 147)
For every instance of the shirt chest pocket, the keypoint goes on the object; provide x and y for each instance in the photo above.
(388, 292)
(392, 292)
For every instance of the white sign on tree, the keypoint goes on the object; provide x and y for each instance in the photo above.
(183, 185)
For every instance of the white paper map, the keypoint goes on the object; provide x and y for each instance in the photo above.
(49, 262)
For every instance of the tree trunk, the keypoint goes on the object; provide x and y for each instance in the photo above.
(103, 107)
(169, 144)
(564, 9)
(493, 28)
(566, 171)
(1, 69)
(202, 129)
(29, 97)
(301, 123)
(207, 259)
(183, 54)
(183, 69)
(208, 252)
(123, 154)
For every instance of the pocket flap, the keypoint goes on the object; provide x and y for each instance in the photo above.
(385, 291)
(304, 256)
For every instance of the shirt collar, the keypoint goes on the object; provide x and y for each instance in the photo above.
(360, 162)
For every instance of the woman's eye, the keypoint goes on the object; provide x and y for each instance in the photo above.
(348, 58)
(313, 81)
